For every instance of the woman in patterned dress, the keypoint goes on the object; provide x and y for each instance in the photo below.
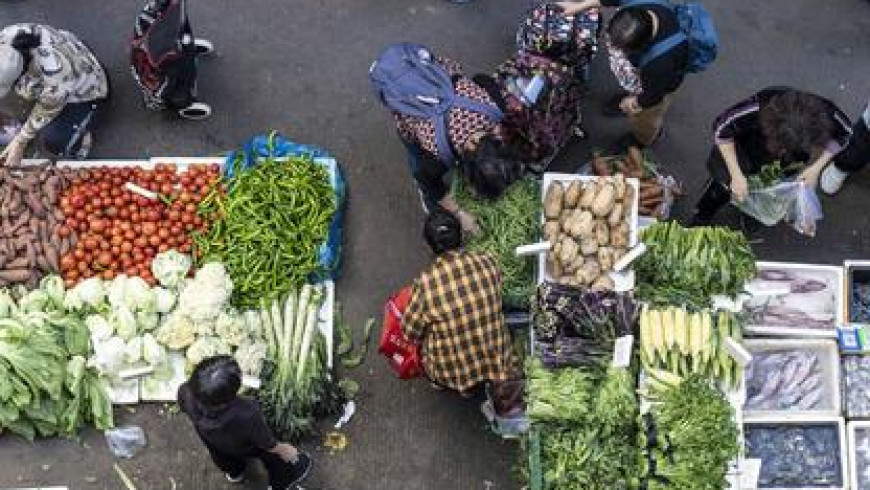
(62, 77)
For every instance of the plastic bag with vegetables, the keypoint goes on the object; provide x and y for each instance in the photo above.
(109, 355)
(170, 268)
(133, 350)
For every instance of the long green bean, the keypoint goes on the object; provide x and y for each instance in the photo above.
(275, 217)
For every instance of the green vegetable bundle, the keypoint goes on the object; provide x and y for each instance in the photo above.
(507, 223)
(691, 438)
(275, 217)
(298, 384)
(46, 388)
(588, 437)
(686, 266)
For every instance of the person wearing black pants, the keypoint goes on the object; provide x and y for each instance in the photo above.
(802, 131)
(853, 158)
(233, 428)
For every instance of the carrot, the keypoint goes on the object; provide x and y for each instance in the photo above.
(656, 191)
(635, 159)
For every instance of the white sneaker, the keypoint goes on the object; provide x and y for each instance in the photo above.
(85, 146)
(204, 47)
(832, 179)
(196, 111)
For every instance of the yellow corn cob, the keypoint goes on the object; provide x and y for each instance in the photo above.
(668, 328)
(656, 333)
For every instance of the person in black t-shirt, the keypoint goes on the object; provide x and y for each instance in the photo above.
(633, 31)
(802, 131)
(854, 157)
(233, 428)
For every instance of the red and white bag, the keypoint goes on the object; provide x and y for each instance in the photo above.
(402, 353)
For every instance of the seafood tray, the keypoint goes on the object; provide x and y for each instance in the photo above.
(795, 300)
(856, 386)
(798, 454)
(792, 377)
(857, 291)
(859, 455)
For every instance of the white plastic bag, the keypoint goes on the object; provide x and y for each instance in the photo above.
(126, 441)
(769, 205)
(805, 211)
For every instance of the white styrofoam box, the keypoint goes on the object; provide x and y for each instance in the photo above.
(123, 392)
(855, 363)
(829, 360)
(623, 281)
(859, 475)
(105, 163)
(850, 266)
(807, 420)
(825, 306)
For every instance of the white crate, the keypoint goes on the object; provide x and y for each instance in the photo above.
(829, 360)
(825, 306)
(808, 421)
(850, 266)
(623, 281)
(854, 470)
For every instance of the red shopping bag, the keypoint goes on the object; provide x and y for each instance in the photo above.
(402, 354)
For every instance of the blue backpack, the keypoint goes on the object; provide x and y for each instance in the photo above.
(696, 27)
(409, 81)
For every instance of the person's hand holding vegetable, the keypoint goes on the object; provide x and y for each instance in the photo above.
(810, 175)
(286, 452)
(739, 185)
(629, 105)
(466, 219)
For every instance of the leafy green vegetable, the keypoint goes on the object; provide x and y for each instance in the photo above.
(507, 223)
(695, 437)
(276, 215)
(686, 266)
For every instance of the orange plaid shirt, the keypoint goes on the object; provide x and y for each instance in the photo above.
(455, 312)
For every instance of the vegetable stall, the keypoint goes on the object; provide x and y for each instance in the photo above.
(693, 366)
(119, 276)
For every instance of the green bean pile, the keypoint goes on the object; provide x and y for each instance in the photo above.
(275, 217)
(507, 223)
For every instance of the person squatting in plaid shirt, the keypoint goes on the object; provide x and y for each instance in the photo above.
(455, 313)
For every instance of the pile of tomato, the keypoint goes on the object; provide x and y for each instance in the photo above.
(119, 231)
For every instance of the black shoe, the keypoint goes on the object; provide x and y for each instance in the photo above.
(714, 197)
(299, 470)
(611, 107)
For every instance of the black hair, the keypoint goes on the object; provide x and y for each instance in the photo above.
(492, 167)
(795, 123)
(631, 30)
(442, 231)
(216, 381)
(23, 42)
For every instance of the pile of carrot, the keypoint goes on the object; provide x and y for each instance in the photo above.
(633, 165)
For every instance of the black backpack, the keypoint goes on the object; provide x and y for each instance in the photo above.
(157, 49)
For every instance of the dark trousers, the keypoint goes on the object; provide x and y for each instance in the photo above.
(63, 135)
(856, 155)
(279, 471)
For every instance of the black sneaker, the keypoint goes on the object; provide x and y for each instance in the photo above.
(299, 470)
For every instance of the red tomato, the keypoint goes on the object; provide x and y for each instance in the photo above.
(154, 240)
(108, 275)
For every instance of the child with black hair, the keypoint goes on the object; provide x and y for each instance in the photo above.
(233, 428)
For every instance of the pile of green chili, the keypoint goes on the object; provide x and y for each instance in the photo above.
(507, 223)
(275, 217)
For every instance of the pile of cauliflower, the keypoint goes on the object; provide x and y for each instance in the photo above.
(132, 324)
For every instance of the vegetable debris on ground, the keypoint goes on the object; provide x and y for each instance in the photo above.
(687, 266)
(276, 215)
(507, 223)
(690, 437)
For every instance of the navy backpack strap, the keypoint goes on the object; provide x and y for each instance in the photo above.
(442, 142)
(662, 47)
(635, 3)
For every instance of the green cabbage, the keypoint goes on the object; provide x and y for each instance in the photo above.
(231, 328)
(53, 287)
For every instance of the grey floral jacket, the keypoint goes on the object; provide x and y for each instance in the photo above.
(62, 71)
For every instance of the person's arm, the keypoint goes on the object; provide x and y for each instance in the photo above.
(262, 438)
(285, 451)
(739, 186)
(40, 116)
(415, 319)
(725, 130)
(840, 137)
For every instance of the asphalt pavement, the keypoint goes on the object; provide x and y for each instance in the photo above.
(300, 67)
